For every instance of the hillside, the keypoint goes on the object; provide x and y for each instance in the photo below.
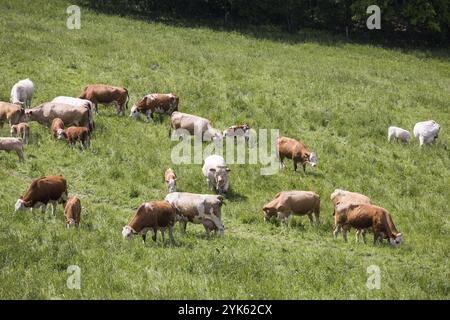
(337, 97)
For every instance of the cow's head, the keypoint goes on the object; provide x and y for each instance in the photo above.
(70, 223)
(13, 130)
(172, 185)
(127, 233)
(221, 175)
(397, 240)
(20, 205)
(134, 112)
(61, 134)
(269, 212)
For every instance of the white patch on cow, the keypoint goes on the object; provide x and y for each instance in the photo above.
(397, 241)
(313, 159)
(127, 233)
(148, 206)
(134, 112)
(172, 185)
(20, 205)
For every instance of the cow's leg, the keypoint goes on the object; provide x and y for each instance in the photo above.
(357, 232)
(53, 208)
(363, 234)
(284, 218)
(207, 231)
(344, 234)
(144, 237)
(154, 233)
(304, 167)
(295, 165)
(44, 208)
(183, 226)
(336, 231)
(19, 153)
(163, 230)
(317, 216)
(171, 239)
(421, 140)
(310, 217)
(149, 115)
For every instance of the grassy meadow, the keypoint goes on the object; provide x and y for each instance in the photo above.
(336, 96)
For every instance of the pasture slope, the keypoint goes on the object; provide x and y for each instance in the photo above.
(338, 97)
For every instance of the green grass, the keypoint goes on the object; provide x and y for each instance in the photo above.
(338, 98)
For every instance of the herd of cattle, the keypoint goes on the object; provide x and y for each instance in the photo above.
(71, 119)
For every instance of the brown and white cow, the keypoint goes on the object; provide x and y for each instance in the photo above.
(57, 126)
(106, 94)
(368, 216)
(22, 130)
(161, 103)
(170, 178)
(294, 202)
(12, 144)
(11, 113)
(197, 208)
(72, 212)
(153, 216)
(43, 190)
(74, 135)
(295, 150)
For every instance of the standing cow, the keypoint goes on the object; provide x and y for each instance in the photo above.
(198, 208)
(297, 151)
(11, 113)
(106, 94)
(22, 93)
(155, 103)
(12, 144)
(427, 131)
(170, 178)
(398, 134)
(294, 202)
(195, 125)
(72, 212)
(217, 173)
(22, 130)
(47, 189)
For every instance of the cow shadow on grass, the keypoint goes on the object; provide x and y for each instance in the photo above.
(234, 196)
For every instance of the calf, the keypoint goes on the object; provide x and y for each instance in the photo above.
(195, 125)
(427, 131)
(154, 216)
(72, 212)
(367, 216)
(75, 134)
(242, 130)
(106, 94)
(22, 130)
(217, 173)
(398, 134)
(300, 203)
(11, 113)
(297, 151)
(12, 144)
(47, 189)
(197, 208)
(171, 180)
(22, 93)
(155, 103)
(57, 126)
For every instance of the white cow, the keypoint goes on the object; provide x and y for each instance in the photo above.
(22, 93)
(427, 131)
(217, 173)
(398, 134)
(76, 102)
(195, 125)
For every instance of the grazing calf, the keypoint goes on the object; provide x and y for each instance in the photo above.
(217, 174)
(242, 130)
(57, 126)
(427, 131)
(106, 94)
(155, 103)
(297, 151)
(43, 190)
(75, 134)
(367, 216)
(11, 113)
(154, 216)
(300, 203)
(72, 212)
(22, 93)
(12, 144)
(171, 180)
(398, 134)
(195, 125)
(22, 130)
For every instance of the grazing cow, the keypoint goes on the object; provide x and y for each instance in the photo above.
(106, 94)
(70, 115)
(217, 173)
(368, 216)
(76, 102)
(171, 180)
(57, 126)
(300, 203)
(398, 134)
(154, 216)
(22, 93)
(12, 144)
(22, 130)
(427, 131)
(12, 113)
(43, 190)
(72, 212)
(341, 200)
(242, 130)
(75, 134)
(194, 125)
(197, 208)
(297, 151)
(155, 103)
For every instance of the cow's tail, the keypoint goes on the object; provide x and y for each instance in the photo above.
(128, 98)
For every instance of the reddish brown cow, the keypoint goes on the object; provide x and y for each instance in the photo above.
(297, 151)
(155, 103)
(106, 94)
(72, 212)
(154, 216)
(47, 189)
(75, 134)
